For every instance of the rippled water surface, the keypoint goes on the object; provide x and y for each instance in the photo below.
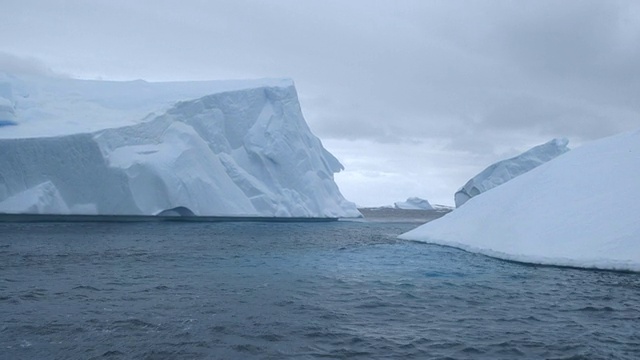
(295, 290)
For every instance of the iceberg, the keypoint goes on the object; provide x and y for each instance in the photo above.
(505, 170)
(413, 203)
(580, 209)
(235, 148)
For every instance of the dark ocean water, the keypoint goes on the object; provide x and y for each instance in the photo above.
(344, 290)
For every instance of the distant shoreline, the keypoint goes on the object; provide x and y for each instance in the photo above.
(369, 214)
(152, 218)
(402, 215)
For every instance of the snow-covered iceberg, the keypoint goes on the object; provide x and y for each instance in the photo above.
(580, 209)
(505, 170)
(210, 148)
(413, 203)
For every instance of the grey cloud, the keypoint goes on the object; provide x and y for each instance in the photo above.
(474, 74)
(24, 65)
(548, 117)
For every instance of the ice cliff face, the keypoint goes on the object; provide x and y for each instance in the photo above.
(246, 151)
(505, 170)
(7, 112)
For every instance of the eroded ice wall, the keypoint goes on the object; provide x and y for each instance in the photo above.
(245, 152)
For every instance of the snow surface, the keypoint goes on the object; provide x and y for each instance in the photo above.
(580, 209)
(49, 106)
(505, 170)
(239, 148)
(413, 203)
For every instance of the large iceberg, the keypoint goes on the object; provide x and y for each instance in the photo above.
(580, 209)
(505, 170)
(136, 148)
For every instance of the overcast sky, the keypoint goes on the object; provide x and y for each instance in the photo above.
(413, 97)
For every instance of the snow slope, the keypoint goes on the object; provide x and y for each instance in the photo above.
(580, 209)
(215, 148)
(413, 203)
(505, 170)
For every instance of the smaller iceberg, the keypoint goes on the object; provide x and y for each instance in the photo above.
(413, 203)
(580, 209)
(505, 170)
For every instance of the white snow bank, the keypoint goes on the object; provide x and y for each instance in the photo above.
(505, 170)
(580, 209)
(244, 152)
(413, 203)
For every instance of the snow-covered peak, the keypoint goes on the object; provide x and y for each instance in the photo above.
(505, 170)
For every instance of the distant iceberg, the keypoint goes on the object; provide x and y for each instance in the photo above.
(505, 170)
(413, 203)
(239, 148)
(580, 209)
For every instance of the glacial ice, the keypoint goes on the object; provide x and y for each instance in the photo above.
(41, 199)
(580, 209)
(505, 170)
(7, 112)
(239, 148)
(413, 203)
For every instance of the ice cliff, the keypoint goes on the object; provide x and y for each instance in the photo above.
(505, 170)
(579, 209)
(7, 112)
(212, 148)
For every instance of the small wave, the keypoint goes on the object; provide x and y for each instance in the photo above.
(133, 324)
(324, 334)
(372, 305)
(155, 288)
(86, 287)
(248, 348)
(36, 294)
(271, 337)
(470, 350)
(219, 329)
(596, 309)
(112, 353)
(50, 328)
(408, 295)
(284, 303)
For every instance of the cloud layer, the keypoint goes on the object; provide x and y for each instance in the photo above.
(473, 81)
